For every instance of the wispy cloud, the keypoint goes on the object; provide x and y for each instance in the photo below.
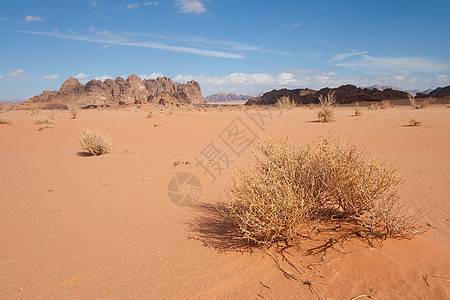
(106, 37)
(104, 77)
(17, 74)
(2, 76)
(51, 77)
(362, 62)
(139, 4)
(33, 19)
(190, 6)
(153, 75)
(81, 76)
(342, 56)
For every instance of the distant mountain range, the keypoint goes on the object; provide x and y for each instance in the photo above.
(224, 97)
(412, 92)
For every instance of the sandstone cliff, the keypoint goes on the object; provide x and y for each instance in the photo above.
(344, 94)
(133, 90)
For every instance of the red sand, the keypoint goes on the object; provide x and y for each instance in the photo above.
(104, 227)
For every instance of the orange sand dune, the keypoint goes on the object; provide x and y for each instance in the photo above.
(104, 227)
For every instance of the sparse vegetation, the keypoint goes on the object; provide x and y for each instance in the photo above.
(374, 106)
(290, 189)
(149, 114)
(43, 120)
(5, 121)
(326, 111)
(44, 127)
(73, 110)
(35, 111)
(95, 142)
(386, 104)
(424, 104)
(413, 122)
(357, 110)
(285, 102)
(157, 124)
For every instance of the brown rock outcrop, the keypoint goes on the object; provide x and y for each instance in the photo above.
(344, 94)
(133, 90)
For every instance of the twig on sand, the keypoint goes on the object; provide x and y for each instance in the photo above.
(266, 286)
(440, 276)
(361, 296)
(426, 280)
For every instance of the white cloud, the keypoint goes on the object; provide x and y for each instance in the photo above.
(93, 3)
(80, 76)
(33, 18)
(133, 5)
(104, 77)
(153, 75)
(190, 6)
(369, 63)
(17, 74)
(342, 56)
(149, 3)
(2, 76)
(51, 77)
(106, 46)
(106, 37)
(442, 78)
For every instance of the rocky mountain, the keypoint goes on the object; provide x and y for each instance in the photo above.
(222, 97)
(344, 94)
(133, 90)
(438, 92)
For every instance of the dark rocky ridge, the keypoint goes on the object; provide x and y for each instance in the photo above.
(133, 90)
(438, 92)
(345, 94)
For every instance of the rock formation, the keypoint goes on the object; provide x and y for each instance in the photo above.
(133, 90)
(438, 92)
(222, 97)
(344, 94)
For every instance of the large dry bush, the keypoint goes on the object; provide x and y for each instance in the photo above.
(95, 142)
(326, 111)
(285, 102)
(291, 187)
(73, 109)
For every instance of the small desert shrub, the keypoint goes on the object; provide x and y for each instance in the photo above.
(386, 104)
(424, 104)
(374, 106)
(44, 127)
(289, 189)
(95, 142)
(157, 124)
(326, 111)
(35, 111)
(149, 114)
(285, 102)
(414, 122)
(357, 110)
(5, 121)
(73, 110)
(43, 120)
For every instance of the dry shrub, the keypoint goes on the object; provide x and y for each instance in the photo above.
(43, 120)
(326, 112)
(44, 127)
(291, 188)
(149, 114)
(386, 104)
(357, 110)
(95, 142)
(73, 110)
(374, 106)
(414, 123)
(285, 102)
(5, 121)
(424, 104)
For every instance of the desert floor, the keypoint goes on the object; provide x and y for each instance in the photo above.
(84, 227)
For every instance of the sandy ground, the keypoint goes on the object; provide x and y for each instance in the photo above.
(104, 227)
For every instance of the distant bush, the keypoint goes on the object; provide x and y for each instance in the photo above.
(43, 120)
(357, 110)
(5, 121)
(73, 110)
(291, 188)
(374, 106)
(386, 104)
(414, 123)
(424, 104)
(149, 114)
(326, 111)
(285, 102)
(95, 142)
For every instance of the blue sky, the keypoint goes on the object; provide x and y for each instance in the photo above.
(240, 46)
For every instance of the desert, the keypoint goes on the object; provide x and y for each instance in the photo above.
(104, 226)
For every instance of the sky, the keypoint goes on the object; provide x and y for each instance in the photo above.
(231, 46)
